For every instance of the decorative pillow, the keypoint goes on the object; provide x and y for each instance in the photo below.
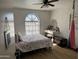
(18, 37)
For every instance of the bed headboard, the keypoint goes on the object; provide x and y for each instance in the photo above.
(17, 38)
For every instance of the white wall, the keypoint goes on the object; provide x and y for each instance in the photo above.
(76, 22)
(1, 37)
(20, 14)
(62, 16)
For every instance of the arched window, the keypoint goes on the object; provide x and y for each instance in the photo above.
(32, 24)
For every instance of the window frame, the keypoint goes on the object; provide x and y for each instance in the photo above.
(38, 21)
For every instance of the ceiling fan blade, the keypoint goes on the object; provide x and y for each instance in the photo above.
(37, 3)
(52, 1)
(51, 5)
(42, 6)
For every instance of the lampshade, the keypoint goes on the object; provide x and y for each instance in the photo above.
(53, 23)
(49, 31)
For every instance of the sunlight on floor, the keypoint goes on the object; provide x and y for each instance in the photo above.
(54, 44)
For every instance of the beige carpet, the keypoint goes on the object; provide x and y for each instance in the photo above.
(55, 53)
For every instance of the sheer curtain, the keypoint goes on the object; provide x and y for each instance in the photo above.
(32, 24)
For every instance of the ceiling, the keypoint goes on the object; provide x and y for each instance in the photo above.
(29, 4)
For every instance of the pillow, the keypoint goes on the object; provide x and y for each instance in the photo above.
(19, 36)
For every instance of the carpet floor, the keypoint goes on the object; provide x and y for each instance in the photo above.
(55, 52)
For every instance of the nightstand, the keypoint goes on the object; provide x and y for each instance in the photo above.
(59, 39)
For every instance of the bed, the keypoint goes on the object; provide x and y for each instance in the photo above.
(33, 42)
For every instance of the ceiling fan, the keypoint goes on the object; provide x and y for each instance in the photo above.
(46, 3)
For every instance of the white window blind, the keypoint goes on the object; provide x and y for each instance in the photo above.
(32, 24)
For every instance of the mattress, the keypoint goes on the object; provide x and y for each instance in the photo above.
(33, 42)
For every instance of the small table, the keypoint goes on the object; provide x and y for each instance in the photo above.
(60, 41)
